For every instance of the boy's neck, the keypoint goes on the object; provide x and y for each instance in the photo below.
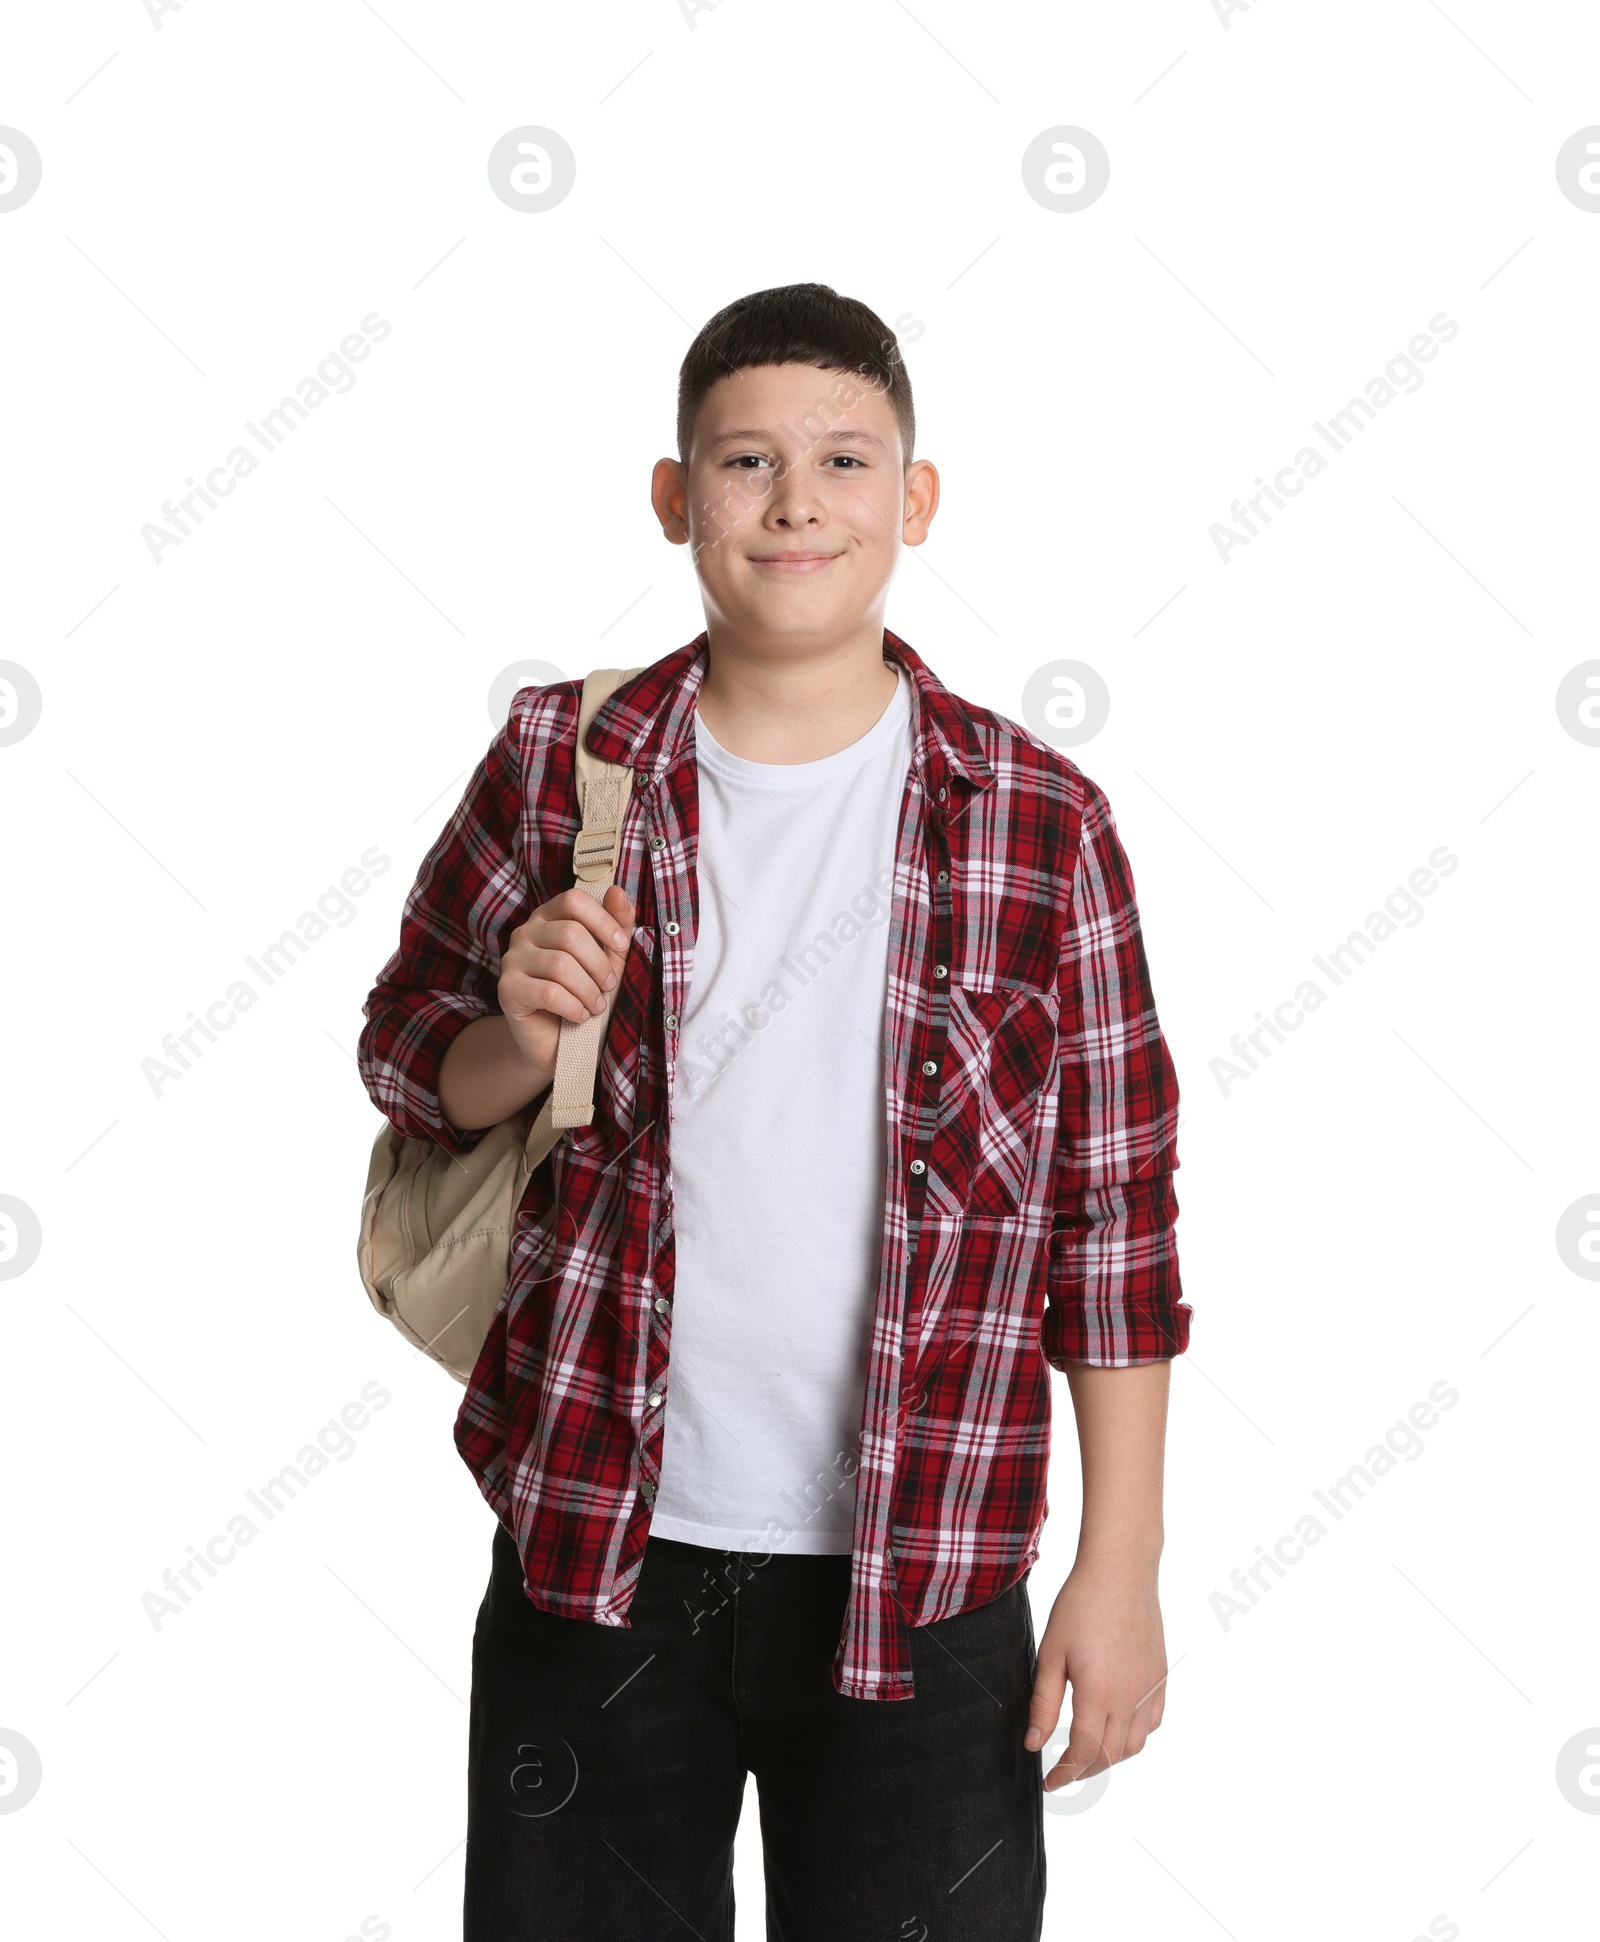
(790, 700)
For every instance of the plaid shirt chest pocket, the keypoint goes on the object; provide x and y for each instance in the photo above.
(1000, 1053)
(624, 1078)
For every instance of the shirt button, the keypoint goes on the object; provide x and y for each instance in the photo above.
(919, 1166)
(672, 1021)
(943, 877)
(647, 1491)
(671, 927)
(941, 970)
(662, 1305)
(930, 1066)
(658, 842)
(942, 794)
(654, 1399)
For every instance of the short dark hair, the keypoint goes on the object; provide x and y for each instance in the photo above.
(797, 323)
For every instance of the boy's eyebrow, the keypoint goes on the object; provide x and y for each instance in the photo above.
(755, 435)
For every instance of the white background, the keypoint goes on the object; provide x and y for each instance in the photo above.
(1373, 1211)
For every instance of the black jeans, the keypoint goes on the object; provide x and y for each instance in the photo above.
(606, 1766)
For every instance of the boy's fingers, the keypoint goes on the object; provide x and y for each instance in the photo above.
(575, 905)
(1049, 1690)
(561, 971)
(1083, 1756)
(601, 919)
(568, 954)
(1115, 1736)
(609, 919)
(529, 994)
(618, 904)
(562, 955)
(568, 938)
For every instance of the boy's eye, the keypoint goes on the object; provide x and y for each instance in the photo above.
(847, 458)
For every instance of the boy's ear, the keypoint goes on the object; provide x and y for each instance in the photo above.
(922, 501)
(668, 491)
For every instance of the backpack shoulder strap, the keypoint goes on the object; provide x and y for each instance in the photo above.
(603, 792)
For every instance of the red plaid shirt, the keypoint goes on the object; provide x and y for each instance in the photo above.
(1031, 1108)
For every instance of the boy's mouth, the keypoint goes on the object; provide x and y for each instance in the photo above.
(801, 560)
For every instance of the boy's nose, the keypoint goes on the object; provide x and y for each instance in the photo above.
(791, 505)
(790, 501)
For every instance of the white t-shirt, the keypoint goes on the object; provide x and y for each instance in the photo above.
(778, 1144)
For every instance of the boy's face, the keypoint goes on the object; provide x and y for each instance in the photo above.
(796, 500)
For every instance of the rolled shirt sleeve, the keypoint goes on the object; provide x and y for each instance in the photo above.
(1113, 1297)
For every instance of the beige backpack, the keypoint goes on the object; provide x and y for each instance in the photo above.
(436, 1226)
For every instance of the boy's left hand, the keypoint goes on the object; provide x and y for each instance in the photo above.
(1105, 1636)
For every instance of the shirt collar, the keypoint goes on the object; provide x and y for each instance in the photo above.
(648, 722)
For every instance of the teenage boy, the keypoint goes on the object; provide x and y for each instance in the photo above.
(884, 1128)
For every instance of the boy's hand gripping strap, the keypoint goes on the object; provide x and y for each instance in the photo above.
(603, 792)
